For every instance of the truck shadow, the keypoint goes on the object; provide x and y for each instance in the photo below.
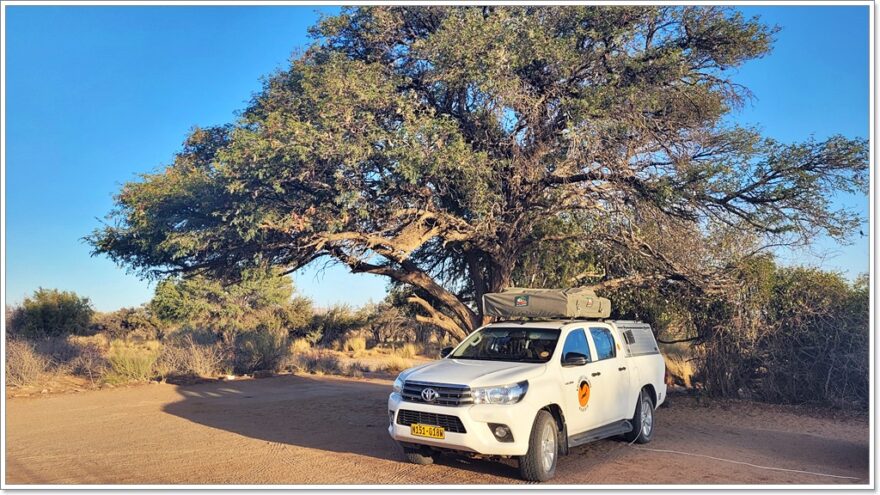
(329, 414)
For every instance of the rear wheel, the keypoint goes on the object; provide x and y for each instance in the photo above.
(539, 463)
(642, 420)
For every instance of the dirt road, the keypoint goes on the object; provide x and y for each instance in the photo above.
(304, 430)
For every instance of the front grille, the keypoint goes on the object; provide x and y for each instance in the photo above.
(449, 423)
(447, 394)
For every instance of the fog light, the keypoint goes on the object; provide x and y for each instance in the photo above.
(502, 432)
(391, 417)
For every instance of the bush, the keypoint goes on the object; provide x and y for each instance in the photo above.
(330, 327)
(127, 322)
(318, 362)
(261, 349)
(356, 344)
(89, 362)
(50, 312)
(24, 366)
(131, 362)
(188, 355)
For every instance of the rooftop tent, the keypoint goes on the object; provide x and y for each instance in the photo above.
(546, 303)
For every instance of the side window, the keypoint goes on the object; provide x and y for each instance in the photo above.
(604, 342)
(576, 342)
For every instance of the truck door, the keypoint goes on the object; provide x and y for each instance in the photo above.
(576, 391)
(610, 376)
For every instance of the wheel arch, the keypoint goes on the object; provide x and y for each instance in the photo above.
(556, 411)
(652, 393)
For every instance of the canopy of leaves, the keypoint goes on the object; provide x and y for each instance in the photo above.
(444, 147)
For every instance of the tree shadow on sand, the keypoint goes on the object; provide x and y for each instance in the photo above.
(346, 416)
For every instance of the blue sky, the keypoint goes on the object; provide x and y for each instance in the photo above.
(96, 95)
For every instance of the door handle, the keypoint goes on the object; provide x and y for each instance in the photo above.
(621, 369)
(597, 373)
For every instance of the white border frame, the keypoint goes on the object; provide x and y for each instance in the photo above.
(761, 487)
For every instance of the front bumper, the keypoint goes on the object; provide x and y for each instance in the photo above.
(475, 418)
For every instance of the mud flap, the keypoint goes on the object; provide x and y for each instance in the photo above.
(562, 440)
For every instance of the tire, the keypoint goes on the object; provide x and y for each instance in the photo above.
(415, 455)
(539, 463)
(642, 420)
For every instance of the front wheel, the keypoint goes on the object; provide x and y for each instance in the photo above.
(539, 463)
(416, 455)
(642, 420)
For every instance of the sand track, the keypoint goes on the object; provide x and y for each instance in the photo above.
(305, 430)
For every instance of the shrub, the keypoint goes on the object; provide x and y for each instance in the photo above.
(131, 362)
(24, 366)
(89, 363)
(261, 349)
(99, 341)
(318, 362)
(50, 312)
(356, 344)
(127, 321)
(58, 350)
(187, 355)
(354, 370)
(329, 327)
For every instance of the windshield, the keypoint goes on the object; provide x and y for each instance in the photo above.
(525, 345)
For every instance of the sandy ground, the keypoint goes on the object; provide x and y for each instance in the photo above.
(306, 429)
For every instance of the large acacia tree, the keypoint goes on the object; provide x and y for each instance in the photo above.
(438, 146)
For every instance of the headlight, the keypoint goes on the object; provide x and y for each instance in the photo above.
(507, 394)
(398, 385)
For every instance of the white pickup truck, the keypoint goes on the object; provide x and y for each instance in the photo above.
(531, 390)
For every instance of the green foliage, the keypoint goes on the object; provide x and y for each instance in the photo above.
(50, 312)
(258, 300)
(816, 346)
(788, 334)
(450, 147)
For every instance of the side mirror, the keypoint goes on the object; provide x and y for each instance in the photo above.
(445, 351)
(574, 359)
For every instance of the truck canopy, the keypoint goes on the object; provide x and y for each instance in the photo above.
(546, 303)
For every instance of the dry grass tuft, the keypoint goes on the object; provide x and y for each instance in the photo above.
(300, 346)
(406, 351)
(681, 370)
(356, 344)
(394, 364)
(131, 362)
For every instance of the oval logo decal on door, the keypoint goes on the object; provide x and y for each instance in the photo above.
(583, 393)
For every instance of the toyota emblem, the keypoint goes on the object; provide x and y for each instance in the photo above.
(429, 395)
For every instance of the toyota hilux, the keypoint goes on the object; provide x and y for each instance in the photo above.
(531, 390)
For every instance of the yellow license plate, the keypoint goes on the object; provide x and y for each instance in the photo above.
(427, 431)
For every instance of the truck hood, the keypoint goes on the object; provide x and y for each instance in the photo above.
(474, 373)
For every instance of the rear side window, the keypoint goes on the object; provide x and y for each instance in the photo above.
(604, 343)
(576, 342)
